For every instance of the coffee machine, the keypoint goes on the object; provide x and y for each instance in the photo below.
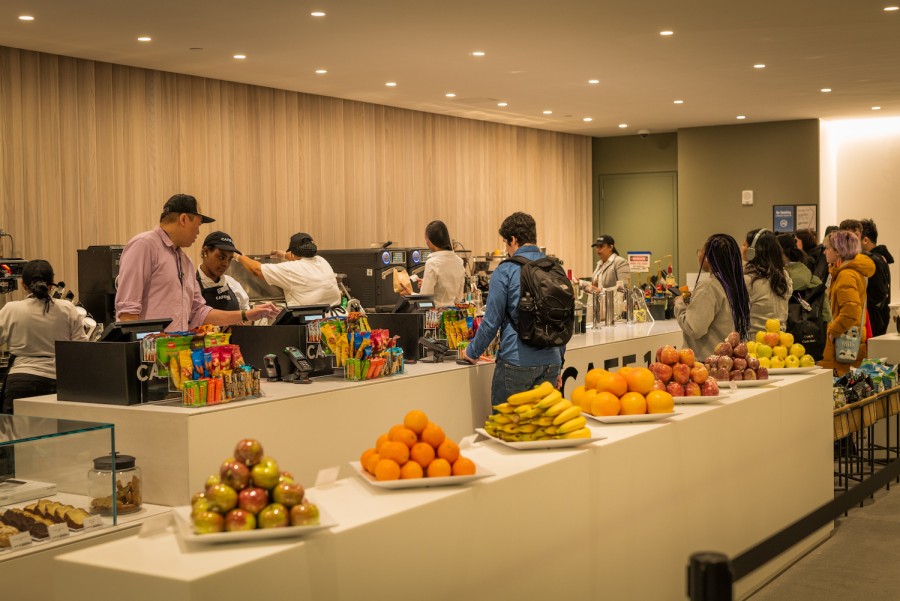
(98, 268)
(369, 274)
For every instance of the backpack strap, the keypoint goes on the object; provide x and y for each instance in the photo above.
(521, 262)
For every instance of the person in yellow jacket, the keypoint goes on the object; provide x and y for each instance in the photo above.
(849, 272)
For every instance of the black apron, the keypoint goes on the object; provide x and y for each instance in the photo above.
(219, 297)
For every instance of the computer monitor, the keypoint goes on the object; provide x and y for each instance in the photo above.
(299, 315)
(130, 331)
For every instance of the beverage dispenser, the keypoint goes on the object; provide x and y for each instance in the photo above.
(369, 274)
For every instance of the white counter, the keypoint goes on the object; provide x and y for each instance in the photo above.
(329, 422)
(886, 346)
(617, 519)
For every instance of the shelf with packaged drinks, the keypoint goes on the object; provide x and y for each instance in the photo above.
(302, 421)
(658, 491)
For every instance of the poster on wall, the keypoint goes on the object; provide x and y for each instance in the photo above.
(807, 217)
(783, 217)
(639, 261)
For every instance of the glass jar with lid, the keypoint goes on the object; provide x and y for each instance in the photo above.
(128, 485)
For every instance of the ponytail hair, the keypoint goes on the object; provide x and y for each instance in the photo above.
(723, 255)
(37, 275)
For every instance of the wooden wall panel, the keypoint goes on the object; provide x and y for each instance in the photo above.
(91, 151)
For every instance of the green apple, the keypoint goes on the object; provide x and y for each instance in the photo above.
(208, 522)
(265, 473)
(763, 351)
(274, 516)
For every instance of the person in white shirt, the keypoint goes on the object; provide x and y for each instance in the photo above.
(445, 274)
(219, 290)
(611, 268)
(306, 278)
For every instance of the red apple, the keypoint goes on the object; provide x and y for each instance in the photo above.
(681, 373)
(733, 339)
(725, 362)
(749, 374)
(253, 499)
(741, 350)
(305, 514)
(668, 355)
(736, 375)
(212, 480)
(238, 519)
(752, 363)
(235, 474)
(762, 373)
(661, 371)
(675, 389)
(248, 451)
(288, 494)
(274, 516)
(699, 373)
(221, 497)
(723, 348)
(208, 522)
(710, 388)
(772, 338)
(723, 374)
(659, 385)
(686, 356)
(692, 389)
(739, 363)
(285, 477)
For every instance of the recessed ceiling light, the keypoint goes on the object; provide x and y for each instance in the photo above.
(666, 33)
(502, 104)
(623, 125)
(478, 53)
(144, 38)
(891, 8)
(826, 90)
(759, 66)
(391, 84)
(240, 57)
(678, 102)
(593, 81)
(588, 119)
(450, 95)
(741, 117)
(548, 112)
(317, 13)
(876, 108)
(26, 18)
(321, 71)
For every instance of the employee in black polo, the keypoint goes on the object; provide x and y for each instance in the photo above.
(220, 291)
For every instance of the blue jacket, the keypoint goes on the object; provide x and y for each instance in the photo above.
(500, 313)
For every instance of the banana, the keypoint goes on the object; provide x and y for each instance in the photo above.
(528, 429)
(551, 430)
(531, 413)
(549, 400)
(490, 428)
(499, 418)
(514, 417)
(510, 428)
(570, 413)
(504, 408)
(544, 420)
(526, 437)
(558, 407)
(573, 424)
(532, 395)
(520, 409)
(582, 433)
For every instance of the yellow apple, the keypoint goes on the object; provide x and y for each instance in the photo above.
(763, 350)
(792, 361)
(751, 347)
(797, 350)
(779, 351)
(773, 325)
(786, 339)
(760, 336)
(764, 362)
(807, 361)
(776, 363)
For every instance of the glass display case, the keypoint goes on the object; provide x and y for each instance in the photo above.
(44, 480)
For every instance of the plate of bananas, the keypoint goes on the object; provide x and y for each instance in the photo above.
(627, 419)
(539, 418)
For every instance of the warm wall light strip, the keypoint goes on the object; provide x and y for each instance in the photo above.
(502, 104)
(678, 102)
(145, 38)
(741, 117)
(588, 119)
(391, 84)
(825, 90)
(321, 71)
(759, 66)
(889, 9)
(593, 82)
(548, 112)
(478, 53)
(240, 57)
(623, 125)
(26, 18)
(450, 95)
(876, 108)
(317, 13)
(666, 33)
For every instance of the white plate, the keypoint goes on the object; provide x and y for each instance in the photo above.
(186, 529)
(480, 472)
(627, 419)
(747, 383)
(562, 443)
(698, 400)
(793, 370)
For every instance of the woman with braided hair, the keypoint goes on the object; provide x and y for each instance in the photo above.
(30, 328)
(768, 283)
(720, 303)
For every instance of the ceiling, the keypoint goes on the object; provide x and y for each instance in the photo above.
(539, 55)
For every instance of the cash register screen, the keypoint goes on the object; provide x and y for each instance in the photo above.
(425, 305)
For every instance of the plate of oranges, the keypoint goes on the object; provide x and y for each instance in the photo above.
(627, 419)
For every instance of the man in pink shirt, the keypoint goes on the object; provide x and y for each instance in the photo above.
(156, 279)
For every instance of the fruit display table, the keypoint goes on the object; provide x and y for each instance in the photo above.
(616, 519)
(886, 346)
(329, 422)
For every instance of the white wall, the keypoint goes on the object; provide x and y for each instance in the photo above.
(860, 178)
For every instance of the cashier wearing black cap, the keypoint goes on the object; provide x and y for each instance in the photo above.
(611, 268)
(305, 277)
(221, 291)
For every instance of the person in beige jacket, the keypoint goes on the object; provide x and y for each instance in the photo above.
(768, 283)
(720, 303)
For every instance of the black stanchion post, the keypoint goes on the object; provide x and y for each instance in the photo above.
(709, 577)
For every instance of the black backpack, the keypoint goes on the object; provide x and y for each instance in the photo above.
(805, 320)
(546, 303)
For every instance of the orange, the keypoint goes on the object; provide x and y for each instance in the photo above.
(395, 451)
(583, 397)
(448, 450)
(411, 470)
(463, 467)
(364, 458)
(605, 403)
(623, 371)
(591, 377)
(422, 453)
(387, 470)
(659, 401)
(381, 440)
(439, 468)
(433, 435)
(371, 462)
(612, 382)
(640, 379)
(633, 403)
(416, 421)
(404, 435)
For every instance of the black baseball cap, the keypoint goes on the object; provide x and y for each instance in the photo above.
(298, 240)
(185, 203)
(221, 240)
(604, 239)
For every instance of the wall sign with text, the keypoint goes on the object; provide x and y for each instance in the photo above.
(790, 218)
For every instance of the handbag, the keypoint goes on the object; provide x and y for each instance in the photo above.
(846, 346)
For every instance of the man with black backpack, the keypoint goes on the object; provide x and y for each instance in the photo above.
(531, 303)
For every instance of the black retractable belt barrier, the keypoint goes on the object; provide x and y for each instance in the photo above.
(710, 575)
